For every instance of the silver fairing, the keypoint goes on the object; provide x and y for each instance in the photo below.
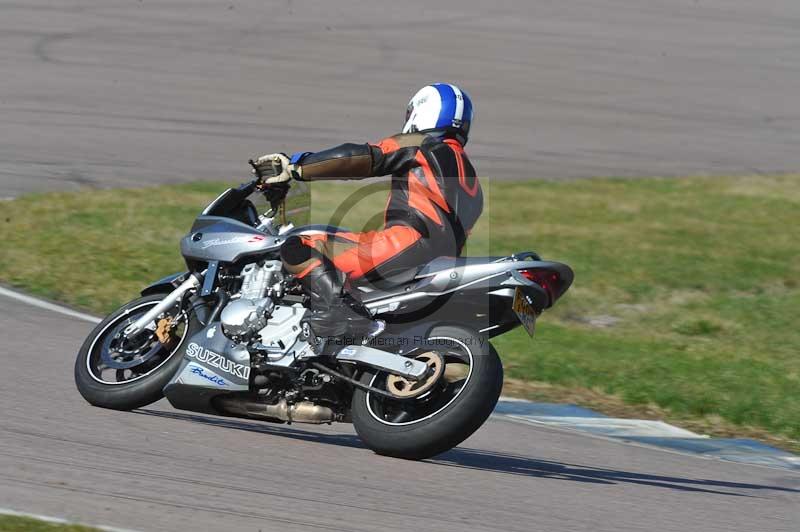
(476, 292)
(225, 240)
(447, 275)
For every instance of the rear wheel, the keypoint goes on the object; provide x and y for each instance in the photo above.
(112, 371)
(420, 425)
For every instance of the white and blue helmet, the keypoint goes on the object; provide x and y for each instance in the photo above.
(440, 108)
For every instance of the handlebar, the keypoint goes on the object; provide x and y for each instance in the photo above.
(275, 193)
(261, 171)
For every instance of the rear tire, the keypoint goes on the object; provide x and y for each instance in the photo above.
(445, 428)
(145, 389)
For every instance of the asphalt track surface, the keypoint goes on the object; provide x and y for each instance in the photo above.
(112, 92)
(129, 93)
(160, 469)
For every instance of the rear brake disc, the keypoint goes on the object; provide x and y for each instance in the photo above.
(406, 389)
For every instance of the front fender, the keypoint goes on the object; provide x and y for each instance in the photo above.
(166, 284)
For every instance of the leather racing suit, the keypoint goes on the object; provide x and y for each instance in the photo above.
(434, 202)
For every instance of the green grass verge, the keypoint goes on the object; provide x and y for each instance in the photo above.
(13, 523)
(685, 299)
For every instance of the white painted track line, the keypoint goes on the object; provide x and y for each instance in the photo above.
(41, 303)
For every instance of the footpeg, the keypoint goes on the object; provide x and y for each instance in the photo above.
(375, 330)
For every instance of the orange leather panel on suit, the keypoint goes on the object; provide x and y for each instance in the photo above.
(388, 145)
(372, 248)
(421, 197)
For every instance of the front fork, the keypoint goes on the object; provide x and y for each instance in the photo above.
(193, 282)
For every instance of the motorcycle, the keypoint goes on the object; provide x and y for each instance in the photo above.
(228, 337)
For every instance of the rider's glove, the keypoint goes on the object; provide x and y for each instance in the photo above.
(273, 168)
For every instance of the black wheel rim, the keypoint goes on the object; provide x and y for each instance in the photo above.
(457, 356)
(113, 360)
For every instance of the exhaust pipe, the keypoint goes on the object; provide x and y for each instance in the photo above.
(302, 412)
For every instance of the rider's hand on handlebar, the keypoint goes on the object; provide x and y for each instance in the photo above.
(273, 168)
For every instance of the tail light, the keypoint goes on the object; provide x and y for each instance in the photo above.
(547, 279)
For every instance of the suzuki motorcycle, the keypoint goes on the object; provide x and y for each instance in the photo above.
(228, 337)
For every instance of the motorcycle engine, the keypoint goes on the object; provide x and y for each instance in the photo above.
(260, 279)
(244, 317)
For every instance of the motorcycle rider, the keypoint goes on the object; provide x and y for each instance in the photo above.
(434, 202)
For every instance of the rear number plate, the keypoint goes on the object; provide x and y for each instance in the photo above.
(524, 311)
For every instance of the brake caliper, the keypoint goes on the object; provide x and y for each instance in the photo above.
(164, 330)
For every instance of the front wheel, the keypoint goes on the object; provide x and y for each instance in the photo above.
(420, 426)
(112, 371)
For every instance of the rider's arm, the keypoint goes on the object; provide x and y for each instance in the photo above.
(357, 161)
(346, 161)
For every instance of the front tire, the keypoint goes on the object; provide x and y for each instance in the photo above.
(386, 426)
(108, 381)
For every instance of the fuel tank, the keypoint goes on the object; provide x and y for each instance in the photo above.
(225, 240)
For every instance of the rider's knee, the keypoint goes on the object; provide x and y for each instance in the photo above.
(294, 251)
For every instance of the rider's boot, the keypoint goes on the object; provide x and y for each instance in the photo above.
(335, 313)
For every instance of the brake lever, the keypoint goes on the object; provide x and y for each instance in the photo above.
(256, 169)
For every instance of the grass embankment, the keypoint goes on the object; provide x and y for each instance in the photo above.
(13, 523)
(684, 306)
